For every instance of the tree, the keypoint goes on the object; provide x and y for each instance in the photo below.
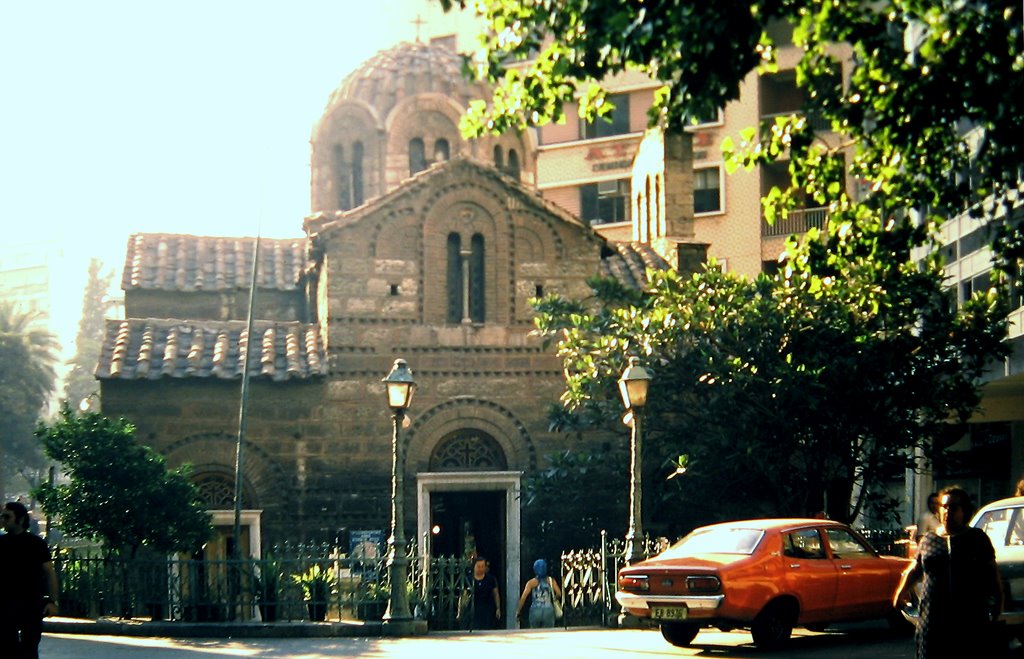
(776, 375)
(785, 400)
(120, 492)
(80, 383)
(27, 378)
(925, 72)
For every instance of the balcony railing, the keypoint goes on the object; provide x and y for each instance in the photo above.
(796, 222)
(817, 122)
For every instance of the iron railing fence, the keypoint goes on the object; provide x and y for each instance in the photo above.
(303, 586)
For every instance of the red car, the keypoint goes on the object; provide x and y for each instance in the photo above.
(768, 575)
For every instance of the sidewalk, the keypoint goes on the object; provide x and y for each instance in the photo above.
(170, 629)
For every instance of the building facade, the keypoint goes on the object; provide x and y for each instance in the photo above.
(421, 246)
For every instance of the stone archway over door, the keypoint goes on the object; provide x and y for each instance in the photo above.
(502, 482)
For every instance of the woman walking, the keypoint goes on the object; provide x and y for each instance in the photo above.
(544, 590)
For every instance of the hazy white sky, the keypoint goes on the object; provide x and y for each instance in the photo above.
(181, 117)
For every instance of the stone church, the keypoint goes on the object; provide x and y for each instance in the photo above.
(421, 246)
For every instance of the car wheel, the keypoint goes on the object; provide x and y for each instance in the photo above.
(773, 626)
(679, 634)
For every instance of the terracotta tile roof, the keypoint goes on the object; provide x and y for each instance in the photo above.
(628, 263)
(149, 349)
(192, 263)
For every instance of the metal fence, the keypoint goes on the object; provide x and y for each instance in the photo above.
(297, 587)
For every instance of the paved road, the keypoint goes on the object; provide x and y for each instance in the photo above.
(863, 642)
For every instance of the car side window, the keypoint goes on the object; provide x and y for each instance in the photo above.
(845, 545)
(805, 543)
(1004, 527)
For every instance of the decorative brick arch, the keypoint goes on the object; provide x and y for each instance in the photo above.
(263, 481)
(469, 412)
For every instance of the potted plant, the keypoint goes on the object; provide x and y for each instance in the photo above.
(267, 585)
(374, 600)
(318, 584)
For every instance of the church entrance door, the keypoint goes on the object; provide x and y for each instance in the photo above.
(475, 513)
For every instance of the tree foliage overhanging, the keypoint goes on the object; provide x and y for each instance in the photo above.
(120, 492)
(793, 391)
(924, 74)
(27, 378)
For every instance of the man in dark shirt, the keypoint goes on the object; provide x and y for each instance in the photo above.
(28, 573)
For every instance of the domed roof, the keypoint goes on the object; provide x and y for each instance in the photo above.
(406, 70)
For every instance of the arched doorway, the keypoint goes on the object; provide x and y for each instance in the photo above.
(468, 504)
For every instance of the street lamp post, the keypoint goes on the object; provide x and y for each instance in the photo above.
(633, 387)
(397, 619)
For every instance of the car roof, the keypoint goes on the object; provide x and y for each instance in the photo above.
(1011, 502)
(775, 523)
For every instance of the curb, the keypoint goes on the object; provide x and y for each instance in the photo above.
(166, 629)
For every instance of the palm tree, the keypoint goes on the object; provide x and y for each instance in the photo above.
(28, 355)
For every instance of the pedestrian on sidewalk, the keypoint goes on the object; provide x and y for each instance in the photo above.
(961, 592)
(25, 561)
(544, 590)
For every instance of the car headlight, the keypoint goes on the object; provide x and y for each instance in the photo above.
(636, 584)
(703, 584)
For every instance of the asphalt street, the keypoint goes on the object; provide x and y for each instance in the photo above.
(862, 642)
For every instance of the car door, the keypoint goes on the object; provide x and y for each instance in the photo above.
(808, 573)
(1005, 528)
(864, 583)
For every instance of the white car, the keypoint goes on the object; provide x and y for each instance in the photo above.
(1003, 522)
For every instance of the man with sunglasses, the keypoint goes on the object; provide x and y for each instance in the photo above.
(29, 573)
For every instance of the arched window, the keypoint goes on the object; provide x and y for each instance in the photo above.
(442, 152)
(476, 279)
(357, 174)
(513, 164)
(417, 156)
(454, 279)
(499, 159)
(468, 450)
(341, 176)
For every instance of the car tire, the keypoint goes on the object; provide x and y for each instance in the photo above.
(773, 626)
(679, 634)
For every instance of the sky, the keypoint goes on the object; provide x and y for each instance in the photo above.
(179, 117)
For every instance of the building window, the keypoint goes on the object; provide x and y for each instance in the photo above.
(513, 164)
(707, 190)
(417, 156)
(465, 280)
(614, 123)
(476, 279)
(357, 174)
(499, 160)
(605, 202)
(442, 151)
(341, 177)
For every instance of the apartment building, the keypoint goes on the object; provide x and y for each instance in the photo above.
(585, 166)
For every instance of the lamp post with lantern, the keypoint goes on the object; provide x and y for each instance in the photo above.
(633, 387)
(398, 619)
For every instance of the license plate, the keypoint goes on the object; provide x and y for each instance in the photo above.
(669, 612)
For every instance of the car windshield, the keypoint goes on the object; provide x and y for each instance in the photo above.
(716, 541)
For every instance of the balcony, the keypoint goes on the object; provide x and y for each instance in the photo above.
(796, 222)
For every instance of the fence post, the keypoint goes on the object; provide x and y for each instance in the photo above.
(605, 594)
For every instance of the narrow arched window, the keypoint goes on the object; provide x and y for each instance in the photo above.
(357, 174)
(513, 164)
(454, 278)
(417, 156)
(341, 177)
(476, 279)
(499, 158)
(442, 151)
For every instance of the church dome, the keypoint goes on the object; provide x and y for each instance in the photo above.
(407, 70)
